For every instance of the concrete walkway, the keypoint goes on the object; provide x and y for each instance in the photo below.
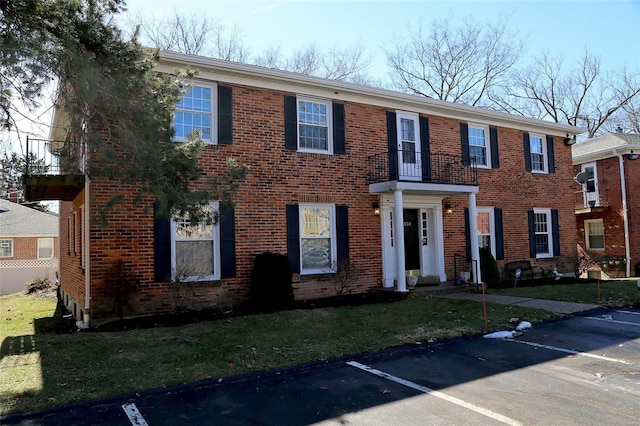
(547, 305)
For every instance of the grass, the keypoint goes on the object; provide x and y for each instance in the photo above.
(40, 368)
(611, 293)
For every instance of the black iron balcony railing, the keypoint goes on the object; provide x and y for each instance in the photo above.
(54, 158)
(422, 167)
(591, 199)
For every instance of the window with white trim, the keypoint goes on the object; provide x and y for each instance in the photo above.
(317, 238)
(479, 145)
(196, 111)
(486, 229)
(314, 125)
(594, 234)
(45, 248)
(543, 232)
(195, 247)
(538, 153)
(6, 248)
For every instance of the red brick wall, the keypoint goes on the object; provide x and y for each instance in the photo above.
(279, 177)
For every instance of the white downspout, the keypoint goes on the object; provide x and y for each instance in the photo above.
(625, 216)
(401, 278)
(87, 258)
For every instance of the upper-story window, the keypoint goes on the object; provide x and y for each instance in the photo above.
(196, 111)
(314, 125)
(479, 145)
(538, 153)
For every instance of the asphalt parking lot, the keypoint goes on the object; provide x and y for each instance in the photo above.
(581, 370)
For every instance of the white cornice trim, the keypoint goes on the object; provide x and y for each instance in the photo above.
(255, 76)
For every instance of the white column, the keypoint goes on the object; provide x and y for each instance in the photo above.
(400, 263)
(473, 236)
(439, 238)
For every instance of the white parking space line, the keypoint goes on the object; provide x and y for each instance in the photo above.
(424, 389)
(613, 321)
(569, 351)
(629, 312)
(134, 415)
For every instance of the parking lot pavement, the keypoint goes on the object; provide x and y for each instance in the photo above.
(579, 370)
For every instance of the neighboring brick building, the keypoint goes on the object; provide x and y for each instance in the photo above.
(28, 246)
(608, 204)
(332, 165)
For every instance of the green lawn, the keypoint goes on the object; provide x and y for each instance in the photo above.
(612, 293)
(42, 369)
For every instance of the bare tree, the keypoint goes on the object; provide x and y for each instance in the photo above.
(453, 63)
(345, 64)
(582, 95)
(193, 34)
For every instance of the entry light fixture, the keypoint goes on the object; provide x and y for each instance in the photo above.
(376, 208)
(569, 140)
(447, 207)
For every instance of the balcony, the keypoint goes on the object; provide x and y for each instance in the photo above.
(54, 170)
(591, 201)
(409, 166)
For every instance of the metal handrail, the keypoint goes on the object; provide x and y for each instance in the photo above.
(424, 167)
(54, 158)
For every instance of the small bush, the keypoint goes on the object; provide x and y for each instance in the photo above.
(39, 284)
(271, 288)
(489, 268)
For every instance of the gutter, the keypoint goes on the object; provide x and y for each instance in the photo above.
(87, 257)
(625, 216)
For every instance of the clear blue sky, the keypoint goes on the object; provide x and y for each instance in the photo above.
(609, 29)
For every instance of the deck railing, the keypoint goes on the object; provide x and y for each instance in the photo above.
(54, 158)
(431, 168)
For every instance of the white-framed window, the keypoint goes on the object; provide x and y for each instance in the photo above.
(590, 187)
(594, 234)
(318, 251)
(45, 248)
(76, 232)
(543, 232)
(195, 248)
(538, 153)
(479, 145)
(6, 248)
(81, 225)
(314, 125)
(486, 229)
(196, 111)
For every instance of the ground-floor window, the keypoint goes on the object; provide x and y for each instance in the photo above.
(317, 238)
(45, 248)
(195, 254)
(594, 234)
(6, 248)
(543, 237)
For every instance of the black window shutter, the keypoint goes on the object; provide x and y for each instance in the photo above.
(467, 233)
(464, 142)
(293, 237)
(225, 115)
(497, 219)
(161, 247)
(290, 123)
(532, 234)
(392, 142)
(342, 231)
(339, 136)
(493, 141)
(527, 152)
(425, 147)
(555, 232)
(551, 155)
(227, 243)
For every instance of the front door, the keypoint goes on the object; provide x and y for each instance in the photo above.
(409, 159)
(412, 239)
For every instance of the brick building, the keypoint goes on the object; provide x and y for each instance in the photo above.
(332, 167)
(28, 246)
(608, 201)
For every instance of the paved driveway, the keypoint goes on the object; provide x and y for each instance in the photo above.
(580, 370)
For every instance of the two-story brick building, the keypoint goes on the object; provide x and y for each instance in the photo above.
(395, 183)
(607, 203)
